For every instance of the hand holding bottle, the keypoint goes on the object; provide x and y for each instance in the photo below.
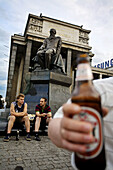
(76, 134)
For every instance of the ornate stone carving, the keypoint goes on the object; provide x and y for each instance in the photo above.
(35, 25)
(83, 37)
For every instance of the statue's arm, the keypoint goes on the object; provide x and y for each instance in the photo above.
(59, 45)
(43, 46)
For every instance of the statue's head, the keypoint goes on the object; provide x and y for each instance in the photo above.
(52, 31)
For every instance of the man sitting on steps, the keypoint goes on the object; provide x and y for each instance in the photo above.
(18, 113)
(43, 116)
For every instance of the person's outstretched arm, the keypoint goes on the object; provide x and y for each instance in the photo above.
(70, 134)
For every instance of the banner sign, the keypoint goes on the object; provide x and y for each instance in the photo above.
(105, 64)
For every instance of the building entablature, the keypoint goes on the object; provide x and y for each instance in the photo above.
(102, 71)
(40, 26)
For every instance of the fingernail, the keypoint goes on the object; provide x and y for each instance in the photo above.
(62, 131)
(82, 149)
(87, 127)
(88, 138)
(76, 108)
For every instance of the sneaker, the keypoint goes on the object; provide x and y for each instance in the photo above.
(37, 138)
(28, 137)
(6, 138)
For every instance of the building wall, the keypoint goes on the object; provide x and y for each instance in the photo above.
(75, 39)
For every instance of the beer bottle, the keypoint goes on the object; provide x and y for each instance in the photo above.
(89, 99)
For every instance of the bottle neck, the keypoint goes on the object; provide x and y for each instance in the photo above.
(78, 83)
(84, 73)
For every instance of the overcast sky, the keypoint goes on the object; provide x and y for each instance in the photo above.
(94, 15)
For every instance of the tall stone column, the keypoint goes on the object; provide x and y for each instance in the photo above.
(69, 53)
(73, 81)
(27, 62)
(11, 73)
(100, 76)
(20, 76)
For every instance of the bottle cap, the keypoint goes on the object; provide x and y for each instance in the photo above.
(82, 56)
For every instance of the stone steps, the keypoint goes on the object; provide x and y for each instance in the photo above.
(4, 114)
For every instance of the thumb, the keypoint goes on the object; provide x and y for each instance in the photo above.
(71, 109)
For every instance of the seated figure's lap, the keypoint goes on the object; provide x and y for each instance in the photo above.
(49, 51)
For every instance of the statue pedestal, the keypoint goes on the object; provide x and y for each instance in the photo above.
(53, 86)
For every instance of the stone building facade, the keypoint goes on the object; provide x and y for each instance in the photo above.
(75, 39)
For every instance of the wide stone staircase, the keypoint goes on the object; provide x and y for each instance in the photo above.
(4, 113)
(3, 118)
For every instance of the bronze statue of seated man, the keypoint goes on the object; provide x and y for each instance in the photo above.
(49, 53)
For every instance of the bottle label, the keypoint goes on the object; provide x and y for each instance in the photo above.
(92, 116)
(84, 72)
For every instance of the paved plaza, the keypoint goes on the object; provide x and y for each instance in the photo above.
(33, 155)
